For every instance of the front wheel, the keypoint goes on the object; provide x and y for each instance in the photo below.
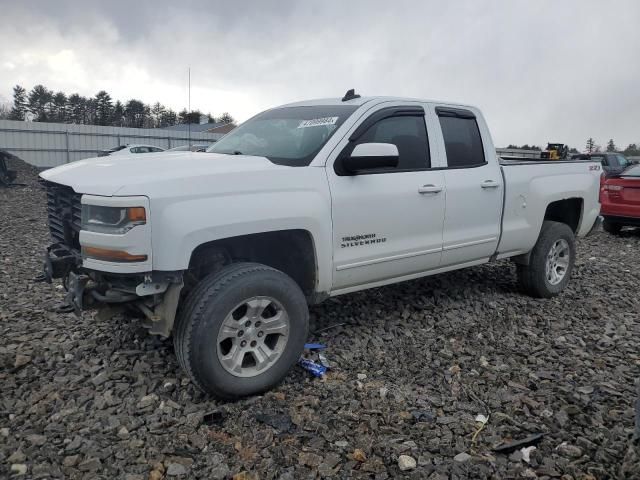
(611, 227)
(241, 330)
(550, 263)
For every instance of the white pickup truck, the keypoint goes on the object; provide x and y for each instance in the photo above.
(225, 250)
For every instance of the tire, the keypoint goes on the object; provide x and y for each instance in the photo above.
(240, 299)
(611, 227)
(534, 279)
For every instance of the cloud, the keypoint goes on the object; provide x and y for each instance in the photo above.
(540, 70)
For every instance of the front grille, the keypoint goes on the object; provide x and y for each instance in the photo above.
(64, 212)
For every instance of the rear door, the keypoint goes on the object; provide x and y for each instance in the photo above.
(474, 188)
(387, 223)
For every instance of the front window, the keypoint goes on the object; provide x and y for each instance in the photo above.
(286, 136)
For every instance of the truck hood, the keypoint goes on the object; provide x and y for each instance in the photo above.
(134, 174)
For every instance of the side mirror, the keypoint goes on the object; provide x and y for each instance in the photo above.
(367, 156)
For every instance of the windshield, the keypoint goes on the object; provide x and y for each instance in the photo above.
(286, 136)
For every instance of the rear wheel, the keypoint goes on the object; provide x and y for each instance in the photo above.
(241, 330)
(611, 227)
(550, 263)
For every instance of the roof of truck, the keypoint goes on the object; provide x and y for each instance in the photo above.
(363, 100)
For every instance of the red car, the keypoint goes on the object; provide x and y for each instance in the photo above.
(620, 199)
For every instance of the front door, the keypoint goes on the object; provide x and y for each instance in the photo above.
(387, 223)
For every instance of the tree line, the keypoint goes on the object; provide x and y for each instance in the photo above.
(43, 105)
(632, 150)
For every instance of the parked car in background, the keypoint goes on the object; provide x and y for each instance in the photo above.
(186, 148)
(129, 149)
(612, 162)
(620, 200)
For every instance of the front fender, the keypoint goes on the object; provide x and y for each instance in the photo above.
(181, 225)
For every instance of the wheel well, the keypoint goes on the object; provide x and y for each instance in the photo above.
(290, 251)
(567, 211)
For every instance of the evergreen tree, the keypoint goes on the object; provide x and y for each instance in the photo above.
(190, 117)
(104, 108)
(117, 118)
(41, 104)
(59, 112)
(40, 100)
(75, 108)
(632, 150)
(134, 114)
(19, 103)
(591, 145)
(168, 118)
(611, 147)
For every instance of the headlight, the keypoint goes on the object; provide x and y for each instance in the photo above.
(114, 220)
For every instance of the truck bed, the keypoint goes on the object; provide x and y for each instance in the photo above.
(533, 186)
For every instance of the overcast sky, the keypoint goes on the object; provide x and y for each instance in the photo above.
(541, 70)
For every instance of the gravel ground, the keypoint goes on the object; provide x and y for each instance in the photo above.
(414, 364)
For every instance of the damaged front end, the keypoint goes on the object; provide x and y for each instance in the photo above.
(92, 239)
(154, 295)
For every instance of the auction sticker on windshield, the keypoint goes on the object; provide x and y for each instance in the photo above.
(317, 122)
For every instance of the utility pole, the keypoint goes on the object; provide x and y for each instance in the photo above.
(189, 110)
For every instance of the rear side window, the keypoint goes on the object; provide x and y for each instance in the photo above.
(408, 133)
(462, 141)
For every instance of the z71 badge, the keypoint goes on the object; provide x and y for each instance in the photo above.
(361, 240)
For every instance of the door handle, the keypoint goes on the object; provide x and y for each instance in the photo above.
(489, 184)
(429, 189)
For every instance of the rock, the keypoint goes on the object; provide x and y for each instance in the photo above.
(462, 457)
(358, 455)
(37, 440)
(341, 443)
(123, 433)
(195, 419)
(4, 432)
(281, 422)
(71, 460)
(309, 459)
(423, 416)
(100, 379)
(568, 450)
(17, 457)
(156, 475)
(147, 401)
(90, 465)
(361, 376)
(405, 462)
(21, 360)
(19, 468)
(219, 472)
(176, 470)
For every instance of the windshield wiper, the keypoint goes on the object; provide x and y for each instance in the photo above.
(237, 152)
